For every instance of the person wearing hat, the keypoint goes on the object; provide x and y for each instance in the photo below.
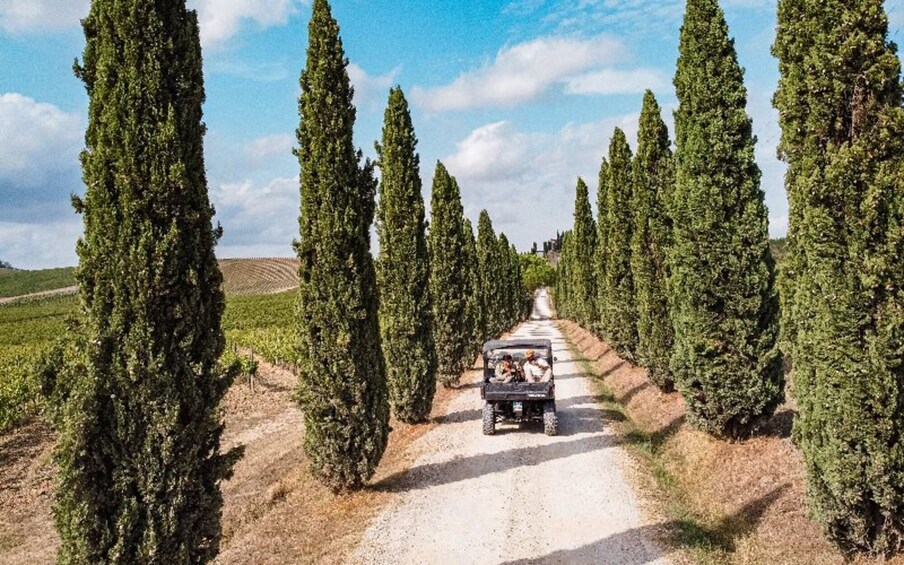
(506, 370)
(536, 369)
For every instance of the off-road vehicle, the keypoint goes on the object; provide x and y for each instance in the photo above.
(517, 401)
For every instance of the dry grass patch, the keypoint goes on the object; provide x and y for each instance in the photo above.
(274, 510)
(740, 502)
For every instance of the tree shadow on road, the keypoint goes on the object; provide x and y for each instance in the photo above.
(464, 468)
(636, 546)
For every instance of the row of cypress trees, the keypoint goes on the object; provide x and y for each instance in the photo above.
(700, 258)
(375, 336)
(685, 282)
(139, 452)
(475, 282)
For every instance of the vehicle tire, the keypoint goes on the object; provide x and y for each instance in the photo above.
(550, 420)
(489, 419)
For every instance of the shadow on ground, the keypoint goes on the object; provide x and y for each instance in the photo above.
(676, 533)
(464, 468)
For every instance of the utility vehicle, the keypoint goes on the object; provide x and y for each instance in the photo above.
(518, 401)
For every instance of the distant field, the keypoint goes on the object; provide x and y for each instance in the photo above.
(241, 277)
(258, 276)
(19, 283)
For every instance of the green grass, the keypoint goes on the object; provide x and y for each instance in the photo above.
(708, 541)
(30, 328)
(20, 283)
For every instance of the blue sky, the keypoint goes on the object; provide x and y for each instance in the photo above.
(517, 97)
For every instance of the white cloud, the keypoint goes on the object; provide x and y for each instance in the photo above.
(371, 92)
(615, 81)
(257, 216)
(220, 20)
(270, 146)
(37, 139)
(22, 16)
(491, 152)
(523, 72)
(526, 179)
(39, 246)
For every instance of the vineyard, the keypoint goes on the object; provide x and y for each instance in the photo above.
(254, 325)
(27, 330)
(18, 283)
(263, 326)
(243, 277)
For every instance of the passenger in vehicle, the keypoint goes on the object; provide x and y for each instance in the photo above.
(506, 370)
(536, 369)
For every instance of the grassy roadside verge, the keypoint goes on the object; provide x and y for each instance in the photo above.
(686, 530)
(717, 502)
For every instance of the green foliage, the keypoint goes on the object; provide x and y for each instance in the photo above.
(843, 303)
(583, 251)
(20, 396)
(620, 317)
(139, 452)
(403, 269)
(722, 282)
(19, 283)
(536, 272)
(563, 294)
(28, 331)
(266, 325)
(653, 181)
(452, 280)
(342, 376)
(474, 307)
(488, 276)
(602, 251)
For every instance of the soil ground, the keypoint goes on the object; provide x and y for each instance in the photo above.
(274, 511)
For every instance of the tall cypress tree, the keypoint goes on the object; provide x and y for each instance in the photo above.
(843, 125)
(505, 277)
(583, 255)
(621, 316)
(342, 376)
(139, 454)
(602, 251)
(488, 290)
(451, 279)
(563, 277)
(725, 307)
(403, 274)
(653, 181)
(474, 315)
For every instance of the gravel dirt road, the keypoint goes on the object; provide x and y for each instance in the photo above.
(518, 496)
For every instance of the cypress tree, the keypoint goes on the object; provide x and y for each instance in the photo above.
(488, 290)
(403, 272)
(563, 278)
(621, 317)
(602, 251)
(583, 255)
(139, 454)
(840, 105)
(505, 277)
(474, 315)
(342, 376)
(653, 180)
(450, 279)
(722, 278)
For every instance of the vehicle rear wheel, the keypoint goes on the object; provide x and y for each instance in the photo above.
(489, 419)
(550, 419)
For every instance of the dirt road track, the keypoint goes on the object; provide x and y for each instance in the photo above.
(518, 496)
